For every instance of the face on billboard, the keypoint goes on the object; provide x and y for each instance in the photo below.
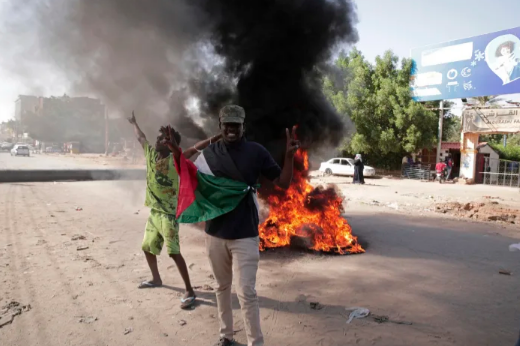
(503, 56)
(477, 66)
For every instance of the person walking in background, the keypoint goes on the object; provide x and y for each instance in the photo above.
(358, 170)
(449, 166)
(162, 184)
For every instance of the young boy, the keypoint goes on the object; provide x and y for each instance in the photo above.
(162, 183)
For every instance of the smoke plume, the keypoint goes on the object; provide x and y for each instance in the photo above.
(179, 61)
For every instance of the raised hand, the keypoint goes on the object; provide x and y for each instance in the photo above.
(131, 119)
(292, 143)
(169, 139)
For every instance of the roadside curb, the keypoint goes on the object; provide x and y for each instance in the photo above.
(19, 176)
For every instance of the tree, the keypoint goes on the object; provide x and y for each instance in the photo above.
(490, 101)
(378, 100)
(451, 128)
(65, 119)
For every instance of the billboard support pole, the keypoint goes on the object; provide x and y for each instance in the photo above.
(439, 140)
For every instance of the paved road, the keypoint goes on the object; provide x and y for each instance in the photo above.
(54, 161)
(442, 275)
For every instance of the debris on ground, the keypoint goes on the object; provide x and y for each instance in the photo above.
(182, 322)
(357, 313)
(128, 331)
(504, 272)
(82, 247)
(87, 319)
(316, 305)
(490, 197)
(78, 237)
(79, 209)
(489, 211)
(380, 319)
(11, 310)
(204, 288)
(385, 319)
(514, 247)
(41, 242)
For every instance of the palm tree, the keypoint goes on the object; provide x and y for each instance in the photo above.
(491, 101)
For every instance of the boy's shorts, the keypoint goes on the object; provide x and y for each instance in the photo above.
(161, 228)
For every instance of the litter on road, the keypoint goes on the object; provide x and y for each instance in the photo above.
(357, 313)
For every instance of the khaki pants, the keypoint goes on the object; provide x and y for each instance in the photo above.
(242, 256)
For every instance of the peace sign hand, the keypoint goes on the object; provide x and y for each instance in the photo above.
(292, 143)
(169, 139)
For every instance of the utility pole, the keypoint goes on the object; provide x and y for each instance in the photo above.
(106, 131)
(441, 119)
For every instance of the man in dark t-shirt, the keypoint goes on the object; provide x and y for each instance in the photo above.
(232, 239)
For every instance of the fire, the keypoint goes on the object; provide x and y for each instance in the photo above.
(309, 214)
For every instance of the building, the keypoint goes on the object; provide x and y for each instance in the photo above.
(22, 106)
(63, 119)
(447, 148)
(72, 107)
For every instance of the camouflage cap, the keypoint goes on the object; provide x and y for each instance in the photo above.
(232, 114)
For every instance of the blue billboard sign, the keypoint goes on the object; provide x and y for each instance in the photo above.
(478, 66)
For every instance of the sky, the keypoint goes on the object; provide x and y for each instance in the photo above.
(398, 25)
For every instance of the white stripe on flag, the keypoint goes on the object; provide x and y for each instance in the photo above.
(202, 165)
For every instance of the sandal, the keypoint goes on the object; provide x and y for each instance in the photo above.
(148, 284)
(187, 303)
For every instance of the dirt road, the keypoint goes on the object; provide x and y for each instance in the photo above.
(441, 275)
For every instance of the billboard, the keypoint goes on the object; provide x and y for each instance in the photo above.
(503, 120)
(477, 66)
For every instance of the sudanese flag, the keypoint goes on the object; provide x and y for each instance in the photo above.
(210, 187)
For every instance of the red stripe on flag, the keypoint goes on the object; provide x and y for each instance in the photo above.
(188, 183)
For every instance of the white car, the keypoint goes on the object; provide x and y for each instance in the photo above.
(343, 166)
(20, 150)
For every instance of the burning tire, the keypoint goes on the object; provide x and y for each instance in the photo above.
(307, 217)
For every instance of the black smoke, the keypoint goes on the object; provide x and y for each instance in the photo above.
(180, 61)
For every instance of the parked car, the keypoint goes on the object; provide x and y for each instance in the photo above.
(6, 146)
(344, 166)
(20, 150)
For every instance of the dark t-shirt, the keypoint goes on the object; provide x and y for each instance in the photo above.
(252, 160)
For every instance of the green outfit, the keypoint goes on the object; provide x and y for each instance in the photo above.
(162, 185)
(161, 228)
